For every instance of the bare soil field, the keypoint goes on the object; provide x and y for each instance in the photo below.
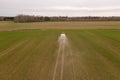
(9, 26)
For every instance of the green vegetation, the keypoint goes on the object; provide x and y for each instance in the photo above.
(31, 54)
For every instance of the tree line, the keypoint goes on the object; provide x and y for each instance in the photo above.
(28, 18)
(6, 18)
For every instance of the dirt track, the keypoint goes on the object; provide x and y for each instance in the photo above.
(56, 64)
(61, 51)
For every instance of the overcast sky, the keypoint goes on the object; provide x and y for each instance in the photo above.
(60, 7)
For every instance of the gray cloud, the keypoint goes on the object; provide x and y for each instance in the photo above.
(60, 7)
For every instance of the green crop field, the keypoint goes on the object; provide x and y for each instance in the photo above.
(26, 54)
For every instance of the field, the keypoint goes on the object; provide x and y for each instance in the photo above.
(28, 51)
(9, 26)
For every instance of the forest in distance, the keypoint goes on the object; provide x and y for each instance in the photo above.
(32, 18)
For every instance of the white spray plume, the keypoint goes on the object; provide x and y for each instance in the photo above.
(62, 39)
